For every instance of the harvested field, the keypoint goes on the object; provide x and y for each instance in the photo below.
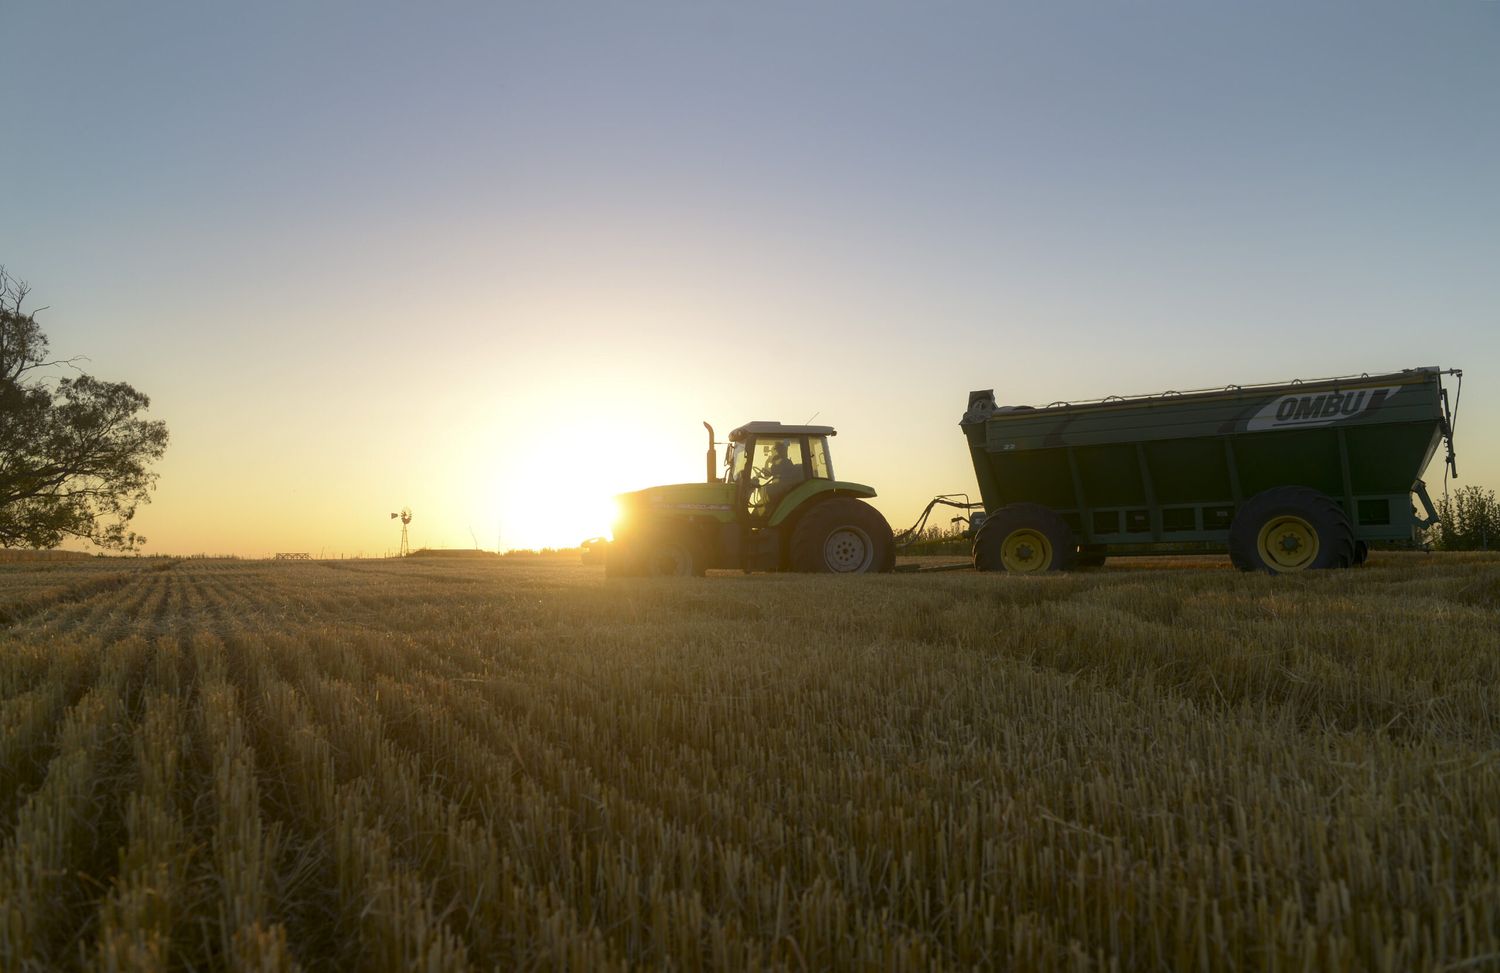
(508, 764)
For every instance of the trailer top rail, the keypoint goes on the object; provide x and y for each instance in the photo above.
(982, 403)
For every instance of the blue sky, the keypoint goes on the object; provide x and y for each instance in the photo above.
(366, 255)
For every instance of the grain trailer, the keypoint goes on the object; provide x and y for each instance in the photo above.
(1286, 477)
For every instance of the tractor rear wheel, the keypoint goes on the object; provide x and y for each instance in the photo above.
(842, 535)
(1024, 538)
(1288, 529)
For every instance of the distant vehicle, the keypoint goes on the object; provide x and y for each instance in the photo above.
(1287, 477)
(776, 507)
(592, 550)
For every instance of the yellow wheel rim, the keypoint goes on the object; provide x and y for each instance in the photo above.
(1026, 550)
(1288, 543)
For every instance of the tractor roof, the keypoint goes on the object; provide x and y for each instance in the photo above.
(763, 428)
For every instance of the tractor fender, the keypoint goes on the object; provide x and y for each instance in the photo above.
(812, 490)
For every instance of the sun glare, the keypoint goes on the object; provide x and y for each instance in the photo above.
(558, 490)
(550, 499)
(538, 515)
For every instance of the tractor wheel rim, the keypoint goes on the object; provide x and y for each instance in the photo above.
(1288, 543)
(848, 549)
(1026, 550)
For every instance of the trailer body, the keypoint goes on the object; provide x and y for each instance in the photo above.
(1169, 472)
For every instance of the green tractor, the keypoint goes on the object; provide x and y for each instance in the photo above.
(776, 507)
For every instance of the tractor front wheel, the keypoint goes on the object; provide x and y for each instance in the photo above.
(1024, 538)
(670, 557)
(620, 562)
(842, 535)
(654, 557)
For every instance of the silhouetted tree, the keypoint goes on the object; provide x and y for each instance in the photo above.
(73, 450)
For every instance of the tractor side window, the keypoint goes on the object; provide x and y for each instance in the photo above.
(780, 459)
(822, 467)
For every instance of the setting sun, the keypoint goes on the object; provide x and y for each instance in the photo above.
(555, 487)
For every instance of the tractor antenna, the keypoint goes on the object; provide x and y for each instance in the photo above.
(812, 417)
(405, 516)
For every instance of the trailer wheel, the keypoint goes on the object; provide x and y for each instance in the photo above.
(842, 535)
(1090, 556)
(1287, 529)
(1024, 538)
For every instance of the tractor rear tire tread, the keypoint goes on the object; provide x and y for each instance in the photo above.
(807, 550)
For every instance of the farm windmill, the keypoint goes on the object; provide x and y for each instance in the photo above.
(405, 516)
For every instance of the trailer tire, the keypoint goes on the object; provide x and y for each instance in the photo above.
(842, 535)
(1024, 538)
(1288, 529)
(1090, 556)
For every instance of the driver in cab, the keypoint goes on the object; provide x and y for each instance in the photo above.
(780, 473)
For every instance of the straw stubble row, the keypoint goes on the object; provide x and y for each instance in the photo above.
(393, 765)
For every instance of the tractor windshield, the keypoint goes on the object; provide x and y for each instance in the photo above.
(822, 466)
(734, 463)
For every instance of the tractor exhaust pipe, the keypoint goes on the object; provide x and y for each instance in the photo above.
(710, 460)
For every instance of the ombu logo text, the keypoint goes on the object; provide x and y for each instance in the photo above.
(1317, 409)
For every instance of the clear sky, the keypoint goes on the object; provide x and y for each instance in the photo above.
(497, 261)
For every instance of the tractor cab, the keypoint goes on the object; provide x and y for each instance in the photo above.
(768, 461)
